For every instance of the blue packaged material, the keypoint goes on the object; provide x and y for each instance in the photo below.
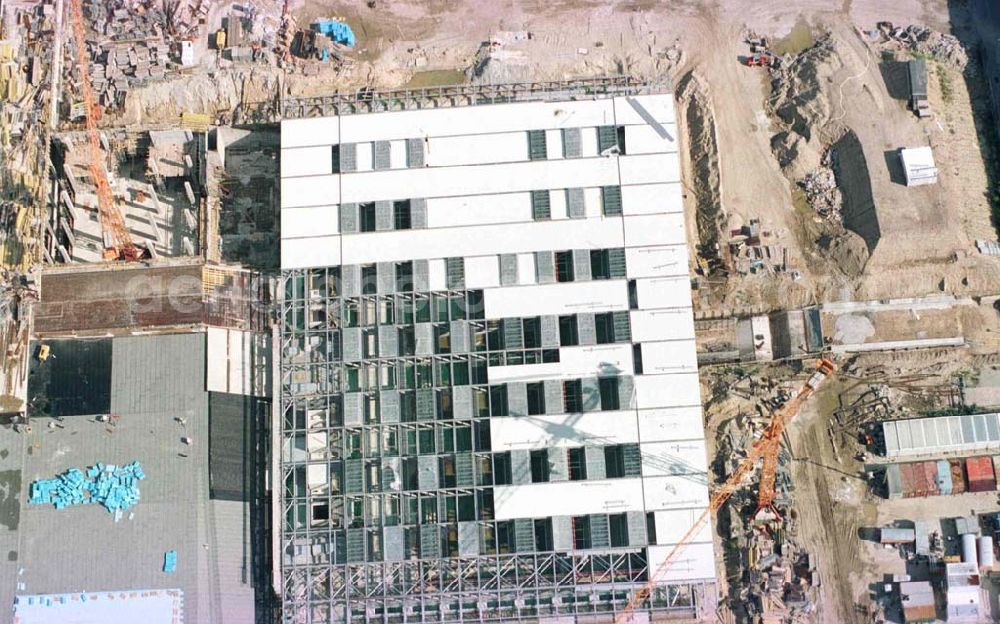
(170, 561)
(337, 31)
(116, 488)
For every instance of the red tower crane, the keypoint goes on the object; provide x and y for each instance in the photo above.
(766, 448)
(118, 243)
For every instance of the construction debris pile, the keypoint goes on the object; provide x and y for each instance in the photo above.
(822, 194)
(782, 578)
(24, 98)
(750, 255)
(924, 41)
(116, 488)
(121, 65)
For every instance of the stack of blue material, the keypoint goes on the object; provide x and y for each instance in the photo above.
(337, 31)
(114, 487)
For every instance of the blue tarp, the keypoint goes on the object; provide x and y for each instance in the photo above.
(337, 31)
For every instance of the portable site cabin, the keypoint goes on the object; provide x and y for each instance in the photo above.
(917, 73)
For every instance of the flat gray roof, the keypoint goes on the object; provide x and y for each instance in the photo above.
(942, 434)
(156, 380)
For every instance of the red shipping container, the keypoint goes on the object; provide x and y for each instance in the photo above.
(980, 473)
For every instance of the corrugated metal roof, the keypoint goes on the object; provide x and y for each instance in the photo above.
(969, 432)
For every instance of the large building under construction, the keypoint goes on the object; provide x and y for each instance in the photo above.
(490, 406)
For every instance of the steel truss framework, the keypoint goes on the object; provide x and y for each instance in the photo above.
(504, 588)
(368, 101)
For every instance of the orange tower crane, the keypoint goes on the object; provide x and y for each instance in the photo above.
(118, 243)
(765, 448)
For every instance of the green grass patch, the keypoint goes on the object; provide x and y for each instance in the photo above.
(436, 78)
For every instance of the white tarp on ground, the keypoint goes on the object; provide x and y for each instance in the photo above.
(148, 606)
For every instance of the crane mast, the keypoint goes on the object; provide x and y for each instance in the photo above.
(118, 244)
(765, 449)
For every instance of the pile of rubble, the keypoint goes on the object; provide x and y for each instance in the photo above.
(923, 40)
(822, 194)
(121, 65)
(750, 255)
(782, 579)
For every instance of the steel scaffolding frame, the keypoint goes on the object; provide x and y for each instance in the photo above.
(322, 583)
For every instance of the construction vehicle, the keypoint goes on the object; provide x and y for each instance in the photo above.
(766, 449)
(43, 352)
(118, 243)
(761, 59)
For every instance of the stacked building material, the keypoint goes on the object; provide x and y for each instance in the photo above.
(116, 488)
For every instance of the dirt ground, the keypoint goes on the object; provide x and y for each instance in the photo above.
(833, 503)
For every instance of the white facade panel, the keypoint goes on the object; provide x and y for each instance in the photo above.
(557, 204)
(642, 109)
(477, 149)
(565, 298)
(650, 140)
(661, 229)
(676, 390)
(574, 362)
(563, 431)
(649, 325)
(310, 222)
(653, 198)
(437, 274)
(365, 156)
(478, 210)
(662, 261)
(305, 132)
(664, 292)
(482, 272)
(526, 268)
(478, 240)
(693, 562)
(306, 161)
(678, 423)
(482, 180)
(675, 356)
(672, 525)
(466, 120)
(588, 140)
(397, 154)
(567, 498)
(660, 459)
(553, 144)
(676, 492)
(216, 355)
(311, 191)
(300, 253)
(592, 202)
(649, 169)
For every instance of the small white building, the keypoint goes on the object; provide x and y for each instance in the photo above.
(963, 592)
(918, 166)
(187, 53)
